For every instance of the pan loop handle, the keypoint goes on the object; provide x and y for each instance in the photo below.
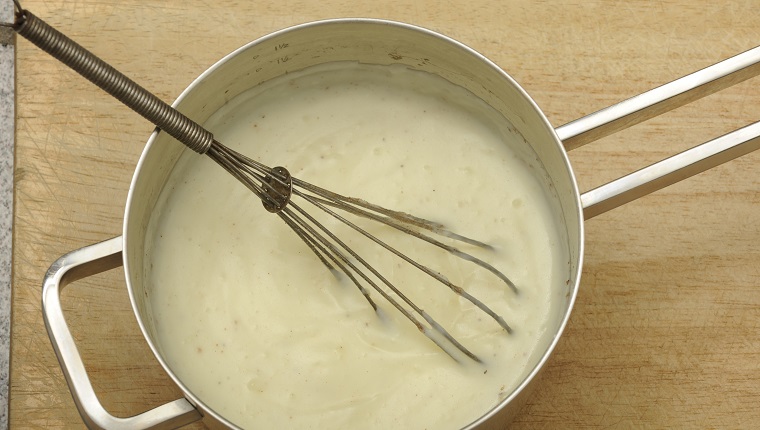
(73, 266)
(651, 104)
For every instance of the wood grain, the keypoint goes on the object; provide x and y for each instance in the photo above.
(666, 328)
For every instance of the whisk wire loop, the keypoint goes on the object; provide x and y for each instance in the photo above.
(433, 274)
(433, 324)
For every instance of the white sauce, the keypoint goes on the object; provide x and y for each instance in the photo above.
(255, 326)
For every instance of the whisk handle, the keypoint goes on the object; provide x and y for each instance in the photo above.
(112, 81)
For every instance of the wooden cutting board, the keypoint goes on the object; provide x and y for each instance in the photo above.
(666, 328)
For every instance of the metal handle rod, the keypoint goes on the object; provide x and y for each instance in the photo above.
(76, 265)
(112, 81)
(659, 100)
(671, 170)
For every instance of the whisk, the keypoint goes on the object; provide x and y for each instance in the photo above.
(277, 188)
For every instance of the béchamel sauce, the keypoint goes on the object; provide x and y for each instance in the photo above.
(259, 330)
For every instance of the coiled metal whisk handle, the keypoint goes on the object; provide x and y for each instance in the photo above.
(112, 81)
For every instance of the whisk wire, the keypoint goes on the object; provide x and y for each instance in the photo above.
(435, 275)
(325, 197)
(324, 249)
(401, 217)
(437, 327)
(397, 221)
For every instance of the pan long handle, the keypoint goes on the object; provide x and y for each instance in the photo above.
(76, 265)
(656, 102)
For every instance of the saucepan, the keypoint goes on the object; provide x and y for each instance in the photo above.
(382, 42)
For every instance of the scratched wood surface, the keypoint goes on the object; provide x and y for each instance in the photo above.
(666, 329)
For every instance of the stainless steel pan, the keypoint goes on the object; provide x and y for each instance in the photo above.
(383, 42)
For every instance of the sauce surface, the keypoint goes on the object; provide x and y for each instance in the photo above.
(258, 329)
